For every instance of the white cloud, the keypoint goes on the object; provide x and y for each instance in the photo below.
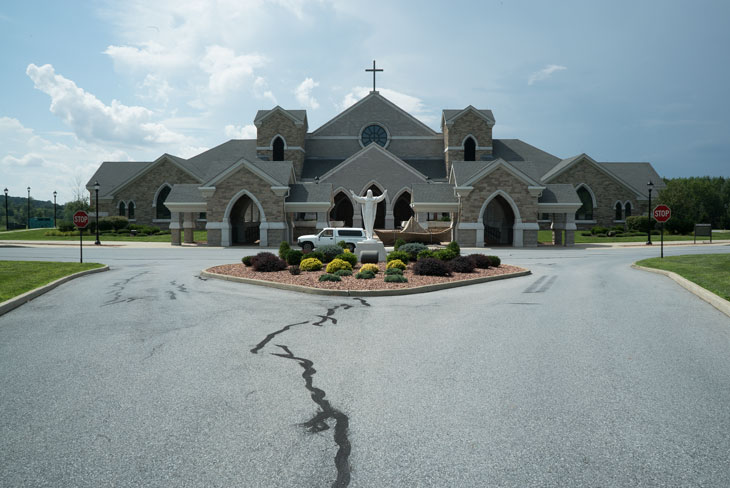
(241, 132)
(92, 120)
(545, 73)
(226, 71)
(261, 90)
(157, 88)
(303, 92)
(409, 103)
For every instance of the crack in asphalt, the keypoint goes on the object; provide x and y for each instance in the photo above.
(120, 287)
(318, 423)
(326, 412)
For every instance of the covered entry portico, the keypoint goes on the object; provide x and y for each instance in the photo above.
(560, 202)
(185, 204)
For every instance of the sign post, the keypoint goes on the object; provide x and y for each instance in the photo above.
(661, 214)
(81, 220)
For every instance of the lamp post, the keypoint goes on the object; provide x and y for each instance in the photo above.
(54, 208)
(650, 186)
(7, 224)
(27, 222)
(96, 200)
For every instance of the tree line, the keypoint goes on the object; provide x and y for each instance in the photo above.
(18, 210)
(697, 200)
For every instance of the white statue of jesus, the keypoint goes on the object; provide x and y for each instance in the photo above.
(368, 204)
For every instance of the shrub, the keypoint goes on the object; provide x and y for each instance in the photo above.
(329, 277)
(329, 252)
(66, 226)
(295, 270)
(310, 264)
(395, 278)
(338, 264)
(425, 254)
(586, 233)
(399, 255)
(412, 248)
(639, 223)
(480, 260)
(597, 229)
(343, 272)
(151, 230)
(284, 248)
(342, 244)
(462, 264)
(495, 261)
(372, 268)
(365, 275)
(349, 257)
(431, 267)
(392, 271)
(267, 262)
(294, 257)
(395, 263)
(445, 254)
(454, 247)
(316, 254)
(117, 222)
(247, 260)
(398, 244)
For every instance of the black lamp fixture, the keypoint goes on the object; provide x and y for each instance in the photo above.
(7, 224)
(96, 199)
(27, 222)
(54, 208)
(650, 186)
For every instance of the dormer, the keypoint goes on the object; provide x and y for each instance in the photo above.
(280, 136)
(467, 135)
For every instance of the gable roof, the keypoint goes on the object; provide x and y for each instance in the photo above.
(637, 175)
(371, 99)
(299, 117)
(214, 161)
(466, 173)
(110, 173)
(381, 152)
(185, 193)
(449, 116)
(559, 193)
(276, 173)
(310, 193)
(177, 161)
(433, 193)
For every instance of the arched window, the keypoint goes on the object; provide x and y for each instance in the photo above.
(619, 212)
(162, 212)
(586, 211)
(130, 210)
(278, 147)
(122, 209)
(627, 210)
(470, 149)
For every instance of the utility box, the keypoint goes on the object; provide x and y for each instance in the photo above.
(703, 230)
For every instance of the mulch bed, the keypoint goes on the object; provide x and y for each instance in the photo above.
(310, 278)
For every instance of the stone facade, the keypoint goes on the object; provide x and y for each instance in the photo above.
(606, 190)
(294, 137)
(243, 179)
(499, 179)
(454, 135)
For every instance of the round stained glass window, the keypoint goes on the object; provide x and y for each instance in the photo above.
(374, 133)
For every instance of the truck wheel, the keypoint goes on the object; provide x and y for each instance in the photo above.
(351, 247)
(307, 247)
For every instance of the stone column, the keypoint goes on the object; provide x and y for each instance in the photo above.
(389, 222)
(422, 218)
(175, 228)
(188, 227)
(357, 218)
(322, 221)
(570, 229)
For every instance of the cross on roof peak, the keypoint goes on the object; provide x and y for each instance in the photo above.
(374, 70)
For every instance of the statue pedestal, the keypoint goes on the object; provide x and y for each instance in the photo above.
(370, 246)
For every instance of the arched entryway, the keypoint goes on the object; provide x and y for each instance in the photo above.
(245, 220)
(499, 219)
(343, 210)
(380, 215)
(402, 210)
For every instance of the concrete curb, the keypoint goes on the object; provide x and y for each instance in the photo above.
(719, 303)
(15, 302)
(365, 293)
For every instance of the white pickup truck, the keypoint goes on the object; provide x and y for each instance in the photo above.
(331, 236)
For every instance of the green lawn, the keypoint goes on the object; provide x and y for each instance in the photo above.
(17, 277)
(546, 236)
(40, 235)
(710, 271)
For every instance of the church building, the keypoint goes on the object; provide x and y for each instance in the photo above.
(291, 181)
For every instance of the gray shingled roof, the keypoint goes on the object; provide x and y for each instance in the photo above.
(112, 173)
(280, 171)
(464, 170)
(558, 167)
(310, 193)
(559, 193)
(433, 193)
(449, 114)
(185, 193)
(214, 161)
(433, 168)
(530, 160)
(637, 175)
(299, 115)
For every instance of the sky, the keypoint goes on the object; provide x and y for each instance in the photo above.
(90, 81)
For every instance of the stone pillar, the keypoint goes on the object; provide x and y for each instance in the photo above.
(357, 218)
(322, 221)
(570, 229)
(175, 228)
(214, 233)
(389, 223)
(188, 227)
(557, 227)
(422, 218)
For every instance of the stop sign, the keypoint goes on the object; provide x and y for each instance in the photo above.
(662, 213)
(81, 219)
